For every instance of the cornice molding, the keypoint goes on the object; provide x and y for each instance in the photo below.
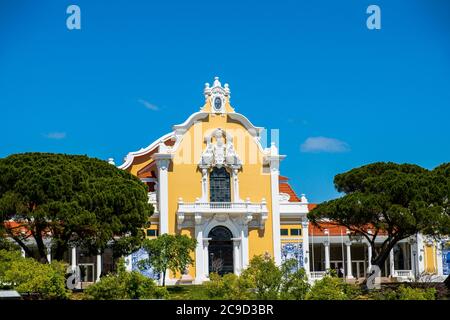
(131, 155)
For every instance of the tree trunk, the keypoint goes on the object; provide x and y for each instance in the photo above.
(59, 251)
(378, 261)
(164, 278)
(42, 249)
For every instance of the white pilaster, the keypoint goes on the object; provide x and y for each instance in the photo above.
(235, 185)
(348, 245)
(244, 246)
(236, 256)
(99, 267)
(305, 246)
(205, 258)
(162, 162)
(391, 263)
(274, 160)
(199, 258)
(327, 255)
(205, 185)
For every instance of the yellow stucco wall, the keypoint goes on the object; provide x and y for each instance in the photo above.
(430, 259)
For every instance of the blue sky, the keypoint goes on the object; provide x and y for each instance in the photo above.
(341, 95)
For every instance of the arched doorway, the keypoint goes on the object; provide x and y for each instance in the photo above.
(220, 250)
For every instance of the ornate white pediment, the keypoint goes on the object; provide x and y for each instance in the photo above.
(217, 95)
(221, 152)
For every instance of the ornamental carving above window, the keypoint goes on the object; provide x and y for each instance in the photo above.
(219, 153)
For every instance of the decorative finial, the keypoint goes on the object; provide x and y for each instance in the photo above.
(227, 89)
(217, 82)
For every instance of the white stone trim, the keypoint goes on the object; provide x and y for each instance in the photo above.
(130, 156)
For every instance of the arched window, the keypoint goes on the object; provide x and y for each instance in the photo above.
(219, 185)
(220, 233)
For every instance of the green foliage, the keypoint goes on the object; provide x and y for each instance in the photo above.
(264, 276)
(294, 284)
(404, 293)
(26, 275)
(80, 200)
(332, 288)
(396, 199)
(227, 287)
(169, 252)
(8, 245)
(190, 292)
(262, 280)
(125, 285)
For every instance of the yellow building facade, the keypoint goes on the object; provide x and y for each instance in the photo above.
(212, 178)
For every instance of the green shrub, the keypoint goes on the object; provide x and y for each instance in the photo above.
(408, 293)
(125, 285)
(261, 280)
(294, 285)
(264, 277)
(228, 287)
(332, 288)
(26, 275)
(404, 293)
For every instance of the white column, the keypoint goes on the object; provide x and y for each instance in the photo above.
(22, 253)
(391, 263)
(369, 256)
(99, 267)
(305, 245)
(49, 253)
(348, 245)
(327, 255)
(235, 186)
(199, 259)
(73, 261)
(236, 254)
(275, 190)
(162, 163)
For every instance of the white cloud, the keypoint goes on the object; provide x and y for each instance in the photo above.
(55, 135)
(324, 144)
(149, 105)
